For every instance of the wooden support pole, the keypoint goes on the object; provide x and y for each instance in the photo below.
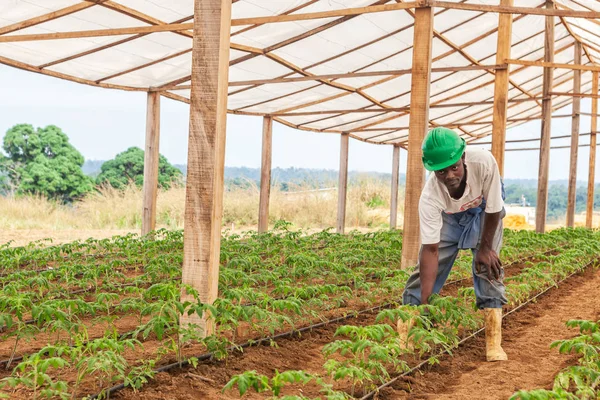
(589, 212)
(394, 194)
(343, 182)
(542, 195)
(571, 199)
(418, 124)
(501, 86)
(265, 175)
(206, 155)
(151, 157)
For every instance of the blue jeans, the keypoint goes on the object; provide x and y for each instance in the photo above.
(489, 294)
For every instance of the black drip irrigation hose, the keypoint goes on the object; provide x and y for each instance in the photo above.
(256, 342)
(250, 343)
(126, 285)
(349, 283)
(472, 335)
(8, 362)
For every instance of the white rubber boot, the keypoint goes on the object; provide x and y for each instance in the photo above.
(493, 335)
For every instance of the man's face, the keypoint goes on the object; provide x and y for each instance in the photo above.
(452, 176)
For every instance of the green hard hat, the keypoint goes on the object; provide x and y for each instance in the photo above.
(442, 148)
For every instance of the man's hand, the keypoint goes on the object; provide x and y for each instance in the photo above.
(428, 270)
(488, 261)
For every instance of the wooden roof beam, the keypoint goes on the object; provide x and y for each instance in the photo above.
(306, 34)
(282, 43)
(342, 12)
(336, 85)
(104, 47)
(511, 106)
(267, 52)
(543, 64)
(40, 19)
(577, 38)
(316, 30)
(418, 4)
(327, 26)
(533, 139)
(96, 33)
(438, 103)
(290, 11)
(135, 14)
(516, 10)
(468, 44)
(580, 5)
(375, 83)
(346, 52)
(312, 103)
(361, 128)
(397, 72)
(515, 101)
(394, 109)
(148, 64)
(569, 94)
(476, 62)
(555, 107)
(166, 58)
(477, 39)
(481, 85)
(153, 21)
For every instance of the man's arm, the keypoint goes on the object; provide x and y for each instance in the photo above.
(487, 260)
(486, 255)
(428, 267)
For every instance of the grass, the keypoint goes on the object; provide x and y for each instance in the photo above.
(367, 207)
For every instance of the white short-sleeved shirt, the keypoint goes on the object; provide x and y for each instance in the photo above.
(483, 182)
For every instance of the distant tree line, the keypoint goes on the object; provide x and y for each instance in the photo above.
(557, 197)
(41, 161)
(289, 179)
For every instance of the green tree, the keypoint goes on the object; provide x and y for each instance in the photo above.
(42, 161)
(128, 167)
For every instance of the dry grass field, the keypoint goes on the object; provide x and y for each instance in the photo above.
(111, 212)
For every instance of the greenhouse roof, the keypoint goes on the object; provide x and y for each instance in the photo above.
(320, 65)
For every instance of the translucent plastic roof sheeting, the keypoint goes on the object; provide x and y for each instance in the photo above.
(373, 106)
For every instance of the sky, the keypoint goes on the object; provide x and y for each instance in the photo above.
(104, 122)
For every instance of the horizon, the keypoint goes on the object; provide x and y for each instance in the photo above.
(401, 174)
(102, 122)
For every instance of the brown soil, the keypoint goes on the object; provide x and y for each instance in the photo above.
(125, 323)
(528, 334)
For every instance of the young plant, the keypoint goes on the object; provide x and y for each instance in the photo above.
(34, 373)
(580, 381)
(368, 352)
(101, 358)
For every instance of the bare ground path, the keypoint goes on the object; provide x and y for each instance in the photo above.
(528, 334)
